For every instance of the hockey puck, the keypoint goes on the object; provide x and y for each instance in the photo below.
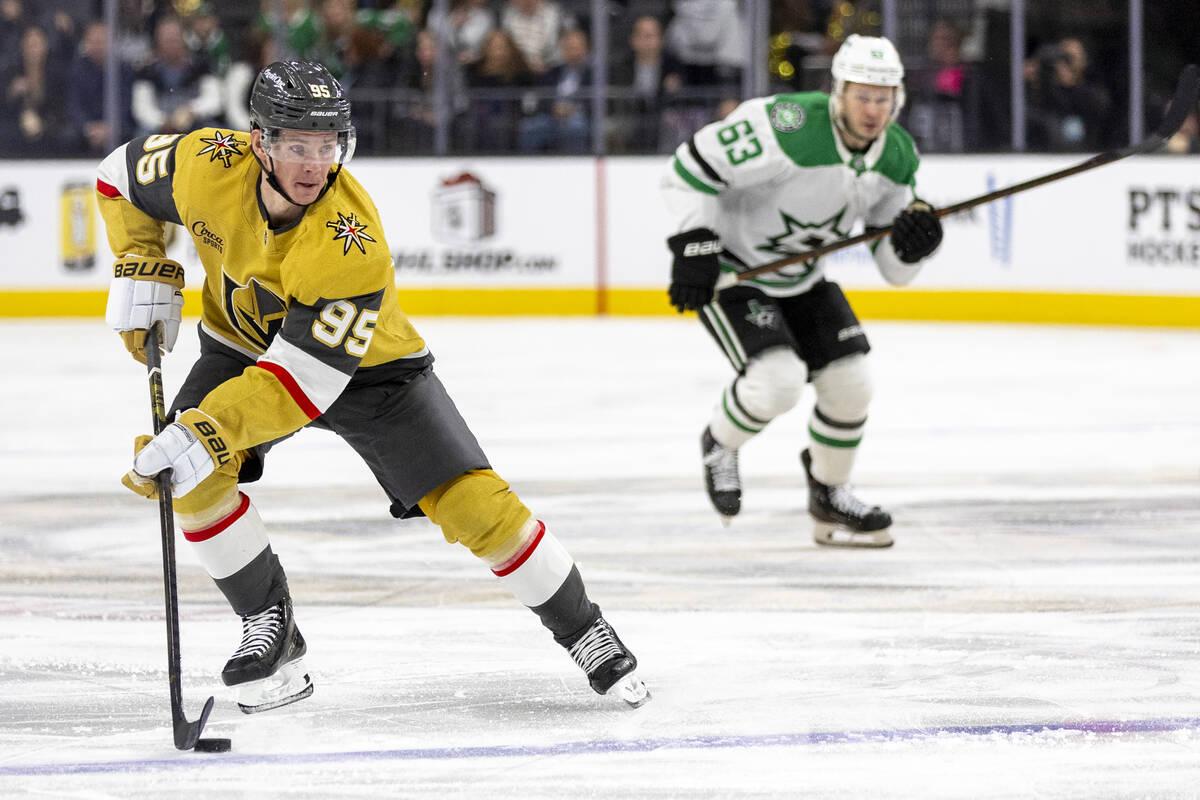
(213, 745)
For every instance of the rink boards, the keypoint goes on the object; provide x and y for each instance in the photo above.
(571, 236)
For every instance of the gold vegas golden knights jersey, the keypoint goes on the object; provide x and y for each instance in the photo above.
(309, 303)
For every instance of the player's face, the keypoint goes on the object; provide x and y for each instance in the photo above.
(302, 161)
(867, 109)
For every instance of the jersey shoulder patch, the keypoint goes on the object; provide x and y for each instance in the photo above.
(803, 129)
(220, 148)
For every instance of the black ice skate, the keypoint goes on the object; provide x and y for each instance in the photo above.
(608, 663)
(267, 666)
(842, 520)
(721, 476)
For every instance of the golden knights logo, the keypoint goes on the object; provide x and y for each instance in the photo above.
(350, 231)
(223, 146)
(254, 311)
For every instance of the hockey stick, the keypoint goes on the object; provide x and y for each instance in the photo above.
(186, 733)
(1181, 105)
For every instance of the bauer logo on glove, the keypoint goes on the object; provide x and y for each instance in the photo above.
(192, 448)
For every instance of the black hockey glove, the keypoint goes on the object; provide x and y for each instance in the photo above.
(695, 269)
(916, 232)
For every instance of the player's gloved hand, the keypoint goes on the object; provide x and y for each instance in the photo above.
(192, 447)
(916, 232)
(145, 292)
(695, 269)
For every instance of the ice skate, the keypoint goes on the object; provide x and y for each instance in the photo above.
(721, 476)
(267, 667)
(842, 520)
(608, 664)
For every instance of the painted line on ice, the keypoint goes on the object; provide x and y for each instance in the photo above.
(183, 762)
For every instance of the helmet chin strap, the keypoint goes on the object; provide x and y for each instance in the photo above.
(274, 183)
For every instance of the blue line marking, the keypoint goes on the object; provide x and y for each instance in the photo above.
(1100, 727)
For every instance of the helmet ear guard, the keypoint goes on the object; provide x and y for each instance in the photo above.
(871, 60)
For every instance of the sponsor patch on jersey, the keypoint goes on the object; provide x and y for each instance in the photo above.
(787, 117)
(222, 147)
(202, 233)
(350, 231)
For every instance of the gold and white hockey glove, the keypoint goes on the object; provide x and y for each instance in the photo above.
(145, 292)
(192, 447)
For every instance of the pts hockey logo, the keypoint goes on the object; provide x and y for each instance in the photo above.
(253, 310)
(1163, 225)
(710, 248)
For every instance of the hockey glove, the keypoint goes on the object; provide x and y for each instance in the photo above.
(145, 292)
(916, 232)
(695, 269)
(192, 447)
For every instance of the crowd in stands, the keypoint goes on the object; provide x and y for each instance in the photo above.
(492, 76)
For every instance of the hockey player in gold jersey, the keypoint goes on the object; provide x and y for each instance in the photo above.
(301, 326)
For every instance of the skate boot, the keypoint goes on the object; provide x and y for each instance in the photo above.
(721, 476)
(608, 663)
(267, 666)
(842, 520)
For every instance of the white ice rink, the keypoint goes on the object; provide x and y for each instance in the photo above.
(1035, 632)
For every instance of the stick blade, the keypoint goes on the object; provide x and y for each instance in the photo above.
(1182, 103)
(188, 733)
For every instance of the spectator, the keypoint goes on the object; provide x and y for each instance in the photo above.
(14, 19)
(536, 26)
(466, 28)
(258, 50)
(366, 79)
(500, 67)
(562, 125)
(177, 92)
(652, 77)
(1068, 112)
(943, 109)
(337, 23)
(706, 36)
(291, 26)
(205, 38)
(1186, 140)
(85, 94)
(421, 118)
(34, 121)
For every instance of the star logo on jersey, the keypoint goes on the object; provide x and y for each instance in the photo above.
(351, 232)
(761, 316)
(254, 310)
(799, 237)
(222, 147)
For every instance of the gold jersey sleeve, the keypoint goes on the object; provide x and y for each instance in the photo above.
(310, 302)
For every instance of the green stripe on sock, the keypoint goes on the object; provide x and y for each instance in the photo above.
(825, 440)
(734, 420)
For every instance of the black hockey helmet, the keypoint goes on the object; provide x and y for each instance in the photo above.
(300, 96)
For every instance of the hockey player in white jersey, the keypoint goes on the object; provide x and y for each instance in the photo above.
(777, 177)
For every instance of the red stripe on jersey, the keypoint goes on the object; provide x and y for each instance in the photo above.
(524, 555)
(293, 388)
(204, 534)
(107, 189)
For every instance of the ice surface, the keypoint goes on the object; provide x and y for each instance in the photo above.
(1034, 632)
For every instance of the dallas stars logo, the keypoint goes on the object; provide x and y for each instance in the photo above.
(351, 232)
(762, 316)
(223, 146)
(798, 237)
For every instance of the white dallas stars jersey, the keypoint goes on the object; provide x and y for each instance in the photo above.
(773, 179)
(311, 302)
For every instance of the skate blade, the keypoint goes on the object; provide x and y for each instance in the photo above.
(289, 684)
(831, 535)
(631, 690)
(726, 521)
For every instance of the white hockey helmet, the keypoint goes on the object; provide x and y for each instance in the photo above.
(871, 60)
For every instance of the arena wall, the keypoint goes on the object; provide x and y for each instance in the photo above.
(570, 236)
